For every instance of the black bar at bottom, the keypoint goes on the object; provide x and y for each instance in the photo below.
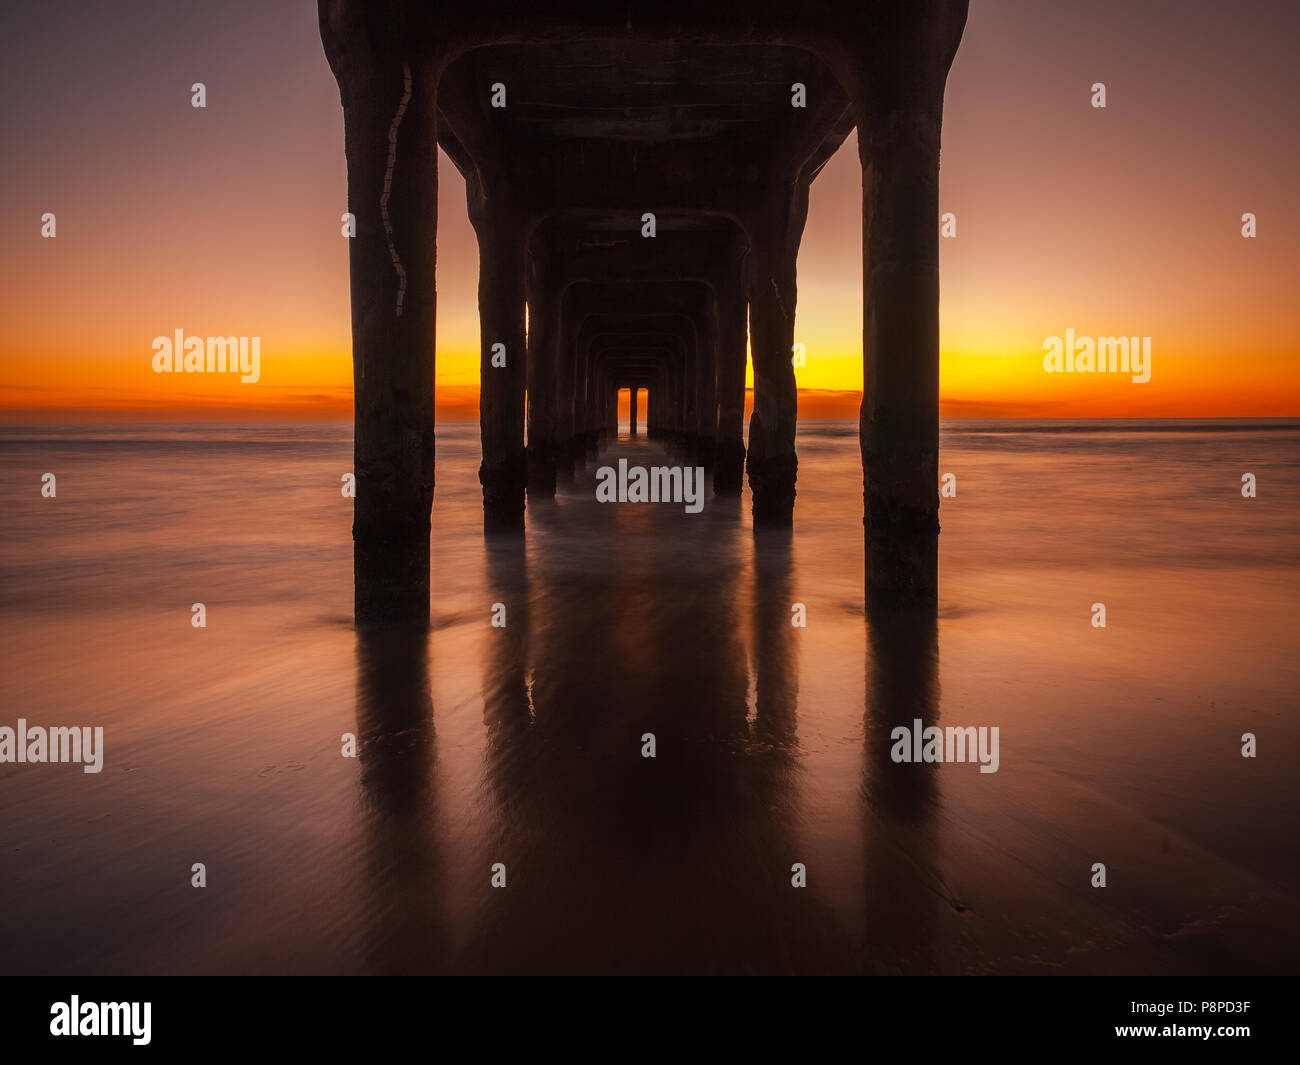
(610, 1017)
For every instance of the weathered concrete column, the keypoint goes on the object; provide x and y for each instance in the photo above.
(603, 419)
(632, 418)
(600, 405)
(691, 387)
(774, 246)
(733, 333)
(898, 103)
(562, 441)
(706, 384)
(543, 290)
(503, 472)
(603, 389)
(899, 423)
(579, 436)
(585, 413)
(677, 398)
(389, 95)
(608, 395)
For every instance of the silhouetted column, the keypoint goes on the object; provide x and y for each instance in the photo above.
(583, 411)
(543, 327)
(599, 388)
(584, 402)
(565, 378)
(706, 416)
(602, 397)
(608, 397)
(670, 404)
(774, 246)
(389, 101)
(501, 323)
(682, 375)
(683, 379)
(898, 139)
(656, 401)
(691, 387)
(729, 463)
(666, 399)
(632, 416)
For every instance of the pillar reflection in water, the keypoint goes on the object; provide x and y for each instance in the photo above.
(904, 889)
(397, 754)
(619, 862)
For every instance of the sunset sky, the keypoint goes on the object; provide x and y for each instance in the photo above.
(225, 220)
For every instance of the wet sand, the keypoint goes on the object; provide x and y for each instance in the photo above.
(522, 744)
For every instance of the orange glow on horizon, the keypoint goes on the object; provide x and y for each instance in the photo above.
(226, 222)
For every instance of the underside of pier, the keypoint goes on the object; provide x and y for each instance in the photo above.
(637, 175)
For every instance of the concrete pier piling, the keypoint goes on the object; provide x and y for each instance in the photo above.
(638, 179)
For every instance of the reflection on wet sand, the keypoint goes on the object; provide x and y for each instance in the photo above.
(523, 744)
(397, 752)
(615, 862)
(625, 622)
(902, 882)
(618, 862)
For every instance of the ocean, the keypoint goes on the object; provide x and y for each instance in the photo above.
(515, 753)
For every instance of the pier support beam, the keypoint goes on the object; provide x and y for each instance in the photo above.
(389, 97)
(706, 384)
(544, 293)
(730, 171)
(733, 336)
(899, 423)
(774, 245)
(897, 97)
(503, 473)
